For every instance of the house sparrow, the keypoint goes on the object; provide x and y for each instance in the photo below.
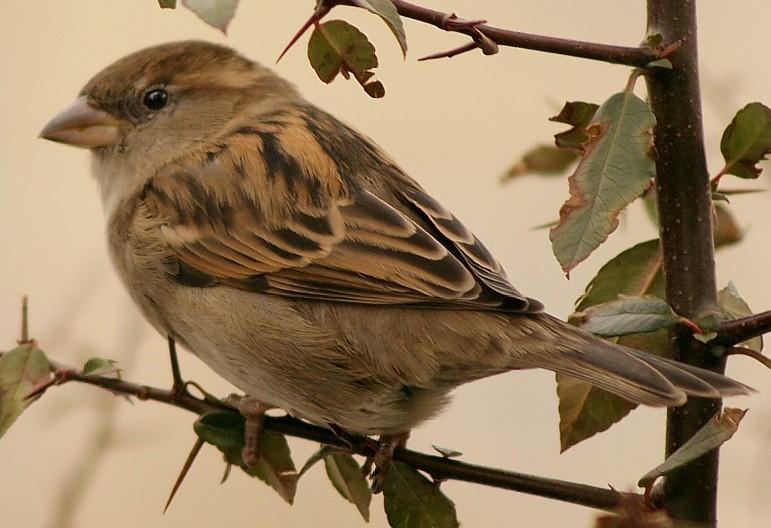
(297, 260)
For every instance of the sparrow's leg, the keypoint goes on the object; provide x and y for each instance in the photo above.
(381, 460)
(253, 412)
(178, 385)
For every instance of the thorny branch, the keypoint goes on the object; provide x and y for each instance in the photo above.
(440, 468)
(739, 330)
(485, 36)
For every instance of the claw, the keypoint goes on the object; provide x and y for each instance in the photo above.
(355, 443)
(377, 465)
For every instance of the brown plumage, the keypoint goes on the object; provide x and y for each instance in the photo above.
(296, 259)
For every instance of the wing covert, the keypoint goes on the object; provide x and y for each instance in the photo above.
(271, 210)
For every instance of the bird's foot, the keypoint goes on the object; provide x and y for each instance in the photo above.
(376, 466)
(253, 412)
(354, 443)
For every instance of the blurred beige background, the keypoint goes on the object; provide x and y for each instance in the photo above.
(455, 125)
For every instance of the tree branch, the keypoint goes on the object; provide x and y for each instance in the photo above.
(440, 468)
(744, 328)
(630, 56)
(685, 228)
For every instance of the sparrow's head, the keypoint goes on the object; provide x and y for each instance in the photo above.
(164, 100)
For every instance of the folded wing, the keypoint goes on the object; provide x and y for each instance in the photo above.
(271, 209)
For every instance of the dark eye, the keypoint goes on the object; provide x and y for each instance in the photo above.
(155, 99)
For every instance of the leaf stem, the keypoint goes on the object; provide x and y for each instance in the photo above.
(651, 275)
(754, 354)
(636, 74)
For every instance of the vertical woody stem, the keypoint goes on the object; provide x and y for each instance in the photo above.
(685, 220)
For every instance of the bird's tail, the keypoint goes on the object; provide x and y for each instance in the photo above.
(636, 376)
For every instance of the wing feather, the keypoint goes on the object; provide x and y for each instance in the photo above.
(280, 211)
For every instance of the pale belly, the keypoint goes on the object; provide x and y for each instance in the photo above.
(370, 370)
(272, 351)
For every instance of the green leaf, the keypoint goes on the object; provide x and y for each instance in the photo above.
(216, 13)
(634, 513)
(21, 371)
(225, 429)
(650, 206)
(584, 409)
(386, 10)
(614, 170)
(316, 457)
(98, 365)
(275, 467)
(337, 47)
(578, 114)
(628, 315)
(663, 64)
(733, 306)
(167, 4)
(345, 475)
(544, 160)
(653, 40)
(413, 501)
(747, 141)
(726, 230)
(634, 271)
(714, 433)
(704, 337)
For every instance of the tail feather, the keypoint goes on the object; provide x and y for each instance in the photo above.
(637, 376)
(721, 385)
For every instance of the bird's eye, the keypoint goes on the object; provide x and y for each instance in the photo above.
(155, 99)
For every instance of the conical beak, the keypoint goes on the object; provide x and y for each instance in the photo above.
(81, 125)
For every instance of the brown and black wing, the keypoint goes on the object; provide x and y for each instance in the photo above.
(273, 208)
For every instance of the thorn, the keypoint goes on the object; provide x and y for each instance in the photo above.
(321, 10)
(450, 53)
(670, 49)
(225, 475)
(24, 338)
(453, 22)
(183, 472)
(24, 320)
